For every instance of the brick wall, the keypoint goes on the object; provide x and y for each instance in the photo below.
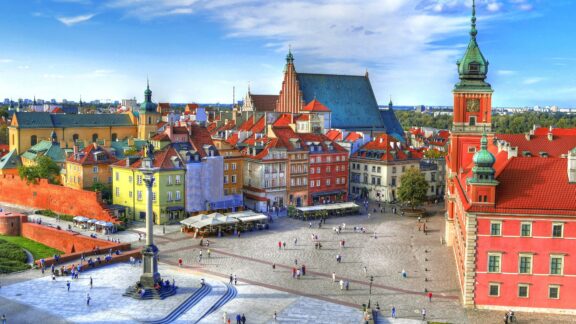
(10, 223)
(63, 240)
(59, 199)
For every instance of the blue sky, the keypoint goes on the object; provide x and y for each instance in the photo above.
(197, 50)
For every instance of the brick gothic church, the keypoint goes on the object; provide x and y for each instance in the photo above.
(511, 203)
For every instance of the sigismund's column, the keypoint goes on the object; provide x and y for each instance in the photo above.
(150, 273)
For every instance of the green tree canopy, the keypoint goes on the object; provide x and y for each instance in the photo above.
(413, 187)
(45, 168)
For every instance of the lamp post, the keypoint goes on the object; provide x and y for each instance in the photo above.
(370, 293)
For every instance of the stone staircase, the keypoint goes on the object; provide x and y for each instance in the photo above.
(185, 306)
(151, 293)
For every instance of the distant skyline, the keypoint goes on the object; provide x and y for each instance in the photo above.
(197, 50)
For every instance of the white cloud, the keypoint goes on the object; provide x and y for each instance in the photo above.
(71, 21)
(5, 61)
(494, 6)
(533, 80)
(505, 72)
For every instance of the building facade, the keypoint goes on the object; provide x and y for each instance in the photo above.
(88, 167)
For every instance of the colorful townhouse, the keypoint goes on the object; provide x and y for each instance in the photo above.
(233, 167)
(168, 197)
(510, 201)
(296, 167)
(88, 167)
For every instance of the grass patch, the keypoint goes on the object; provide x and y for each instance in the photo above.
(12, 257)
(38, 250)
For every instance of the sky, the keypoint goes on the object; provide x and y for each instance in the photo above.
(198, 50)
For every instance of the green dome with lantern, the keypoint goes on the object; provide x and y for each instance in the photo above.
(147, 105)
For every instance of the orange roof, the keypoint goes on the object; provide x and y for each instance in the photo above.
(88, 156)
(381, 148)
(316, 106)
(303, 117)
(199, 136)
(162, 137)
(162, 159)
(560, 144)
(555, 131)
(333, 134)
(283, 120)
(264, 102)
(353, 137)
(191, 108)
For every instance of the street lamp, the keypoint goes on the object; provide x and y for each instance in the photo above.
(370, 293)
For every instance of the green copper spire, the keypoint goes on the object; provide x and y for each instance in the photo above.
(289, 57)
(473, 67)
(147, 105)
(390, 104)
(483, 170)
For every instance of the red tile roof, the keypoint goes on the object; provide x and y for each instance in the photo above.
(264, 102)
(303, 117)
(334, 134)
(353, 137)
(381, 145)
(316, 106)
(555, 131)
(179, 130)
(191, 108)
(199, 136)
(162, 159)
(283, 120)
(310, 137)
(4, 149)
(560, 144)
(87, 156)
(162, 137)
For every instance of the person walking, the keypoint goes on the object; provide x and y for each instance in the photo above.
(333, 276)
(298, 273)
(91, 282)
(88, 299)
(275, 316)
(180, 262)
(295, 241)
(68, 285)
(4, 318)
(341, 284)
(365, 270)
(231, 279)
(235, 280)
(404, 274)
(293, 272)
(295, 261)
(393, 312)
(273, 266)
(279, 245)
(243, 319)
(284, 245)
(208, 252)
(303, 270)
(423, 314)
(238, 319)
(430, 296)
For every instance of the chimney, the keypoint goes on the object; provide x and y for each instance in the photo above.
(550, 136)
(572, 166)
(75, 150)
(127, 161)
(528, 136)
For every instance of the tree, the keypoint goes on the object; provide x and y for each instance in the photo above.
(413, 188)
(45, 168)
(104, 189)
(434, 154)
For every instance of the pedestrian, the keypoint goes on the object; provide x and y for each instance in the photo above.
(235, 280)
(375, 235)
(393, 312)
(88, 299)
(284, 245)
(208, 252)
(225, 317)
(180, 262)
(243, 319)
(293, 272)
(303, 270)
(343, 243)
(279, 245)
(296, 261)
(53, 277)
(238, 319)
(275, 316)
(231, 279)
(298, 273)
(423, 314)
(333, 276)
(68, 285)
(273, 266)
(91, 282)
(430, 296)
(341, 284)
(404, 274)
(295, 241)
(4, 318)
(310, 225)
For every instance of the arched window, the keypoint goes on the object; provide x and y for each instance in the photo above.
(94, 137)
(75, 138)
(13, 140)
(33, 140)
(114, 137)
(149, 120)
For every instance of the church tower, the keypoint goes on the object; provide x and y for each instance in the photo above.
(148, 116)
(472, 103)
(290, 99)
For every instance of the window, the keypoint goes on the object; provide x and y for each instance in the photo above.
(33, 140)
(95, 169)
(94, 179)
(225, 166)
(225, 179)
(139, 179)
(494, 264)
(117, 191)
(471, 149)
(365, 167)
(393, 169)
(130, 194)
(178, 196)
(178, 179)
(526, 229)
(472, 120)
(129, 179)
(557, 264)
(554, 292)
(117, 176)
(109, 179)
(523, 290)
(393, 183)
(94, 137)
(494, 289)
(139, 195)
(525, 264)
(114, 137)
(343, 181)
(327, 182)
(311, 170)
(318, 159)
(169, 180)
(153, 196)
(373, 168)
(495, 228)
(557, 230)
(312, 184)
(318, 170)
(337, 181)
(233, 166)
(403, 169)
(317, 183)
(169, 195)
(233, 179)
(292, 182)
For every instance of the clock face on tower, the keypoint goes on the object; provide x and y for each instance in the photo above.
(473, 105)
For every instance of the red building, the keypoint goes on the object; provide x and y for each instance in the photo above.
(328, 170)
(511, 204)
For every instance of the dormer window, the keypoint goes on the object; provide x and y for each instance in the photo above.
(474, 68)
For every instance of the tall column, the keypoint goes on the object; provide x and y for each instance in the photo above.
(150, 273)
(149, 181)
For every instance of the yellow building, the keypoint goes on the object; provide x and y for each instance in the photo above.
(129, 189)
(233, 167)
(85, 168)
(149, 117)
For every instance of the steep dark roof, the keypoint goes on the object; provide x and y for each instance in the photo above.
(47, 120)
(391, 124)
(264, 102)
(350, 98)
